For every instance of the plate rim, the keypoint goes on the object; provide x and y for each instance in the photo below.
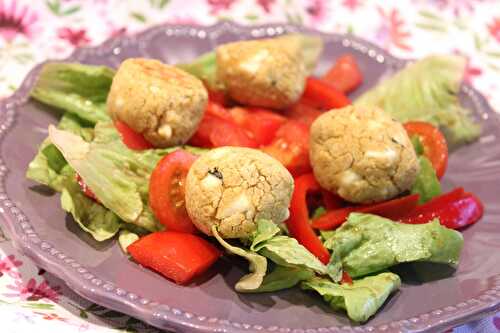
(91, 287)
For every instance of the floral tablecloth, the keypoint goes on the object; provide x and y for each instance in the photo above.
(34, 30)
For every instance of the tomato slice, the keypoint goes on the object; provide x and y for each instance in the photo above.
(85, 189)
(298, 224)
(175, 255)
(344, 75)
(434, 142)
(217, 132)
(303, 112)
(131, 138)
(218, 110)
(322, 95)
(391, 209)
(261, 123)
(166, 191)
(291, 147)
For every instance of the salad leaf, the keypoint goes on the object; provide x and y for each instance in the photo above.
(286, 251)
(369, 243)
(76, 88)
(92, 217)
(118, 176)
(49, 167)
(126, 238)
(282, 277)
(427, 184)
(361, 299)
(427, 90)
(257, 265)
(266, 230)
(417, 145)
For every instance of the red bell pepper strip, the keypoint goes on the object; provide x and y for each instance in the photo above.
(453, 211)
(298, 223)
(330, 200)
(323, 96)
(85, 189)
(176, 255)
(345, 74)
(131, 138)
(392, 209)
(346, 278)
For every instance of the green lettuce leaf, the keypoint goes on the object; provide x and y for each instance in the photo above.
(286, 251)
(362, 299)
(257, 265)
(49, 167)
(266, 230)
(369, 243)
(76, 88)
(204, 68)
(427, 184)
(118, 176)
(427, 90)
(92, 217)
(126, 238)
(281, 278)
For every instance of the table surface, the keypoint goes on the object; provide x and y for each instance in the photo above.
(33, 31)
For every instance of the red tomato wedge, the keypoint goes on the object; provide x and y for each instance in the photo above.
(218, 110)
(217, 132)
(166, 191)
(344, 75)
(323, 96)
(85, 189)
(291, 147)
(346, 278)
(298, 224)
(434, 142)
(176, 255)
(261, 123)
(131, 138)
(392, 209)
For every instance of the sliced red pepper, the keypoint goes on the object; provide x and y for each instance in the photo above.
(346, 278)
(331, 201)
(453, 211)
(176, 255)
(261, 123)
(85, 189)
(217, 96)
(392, 209)
(131, 138)
(303, 112)
(291, 147)
(298, 223)
(323, 96)
(345, 74)
(218, 132)
(434, 142)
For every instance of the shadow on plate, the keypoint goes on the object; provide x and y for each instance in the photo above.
(75, 229)
(418, 273)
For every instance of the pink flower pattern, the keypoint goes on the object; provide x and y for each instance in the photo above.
(8, 265)
(219, 5)
(76, 37)
(494, 29)
(16, 19)
(31, 292)
(392, 29)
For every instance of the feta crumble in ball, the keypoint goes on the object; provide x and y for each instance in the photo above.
(232, 188)
(163, 103)
(362, 154)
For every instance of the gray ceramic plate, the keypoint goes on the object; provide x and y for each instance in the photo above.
(430, 301)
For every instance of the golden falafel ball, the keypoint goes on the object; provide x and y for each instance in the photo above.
(362, 154)
(162, 102)
(233, 187)
(266, 73)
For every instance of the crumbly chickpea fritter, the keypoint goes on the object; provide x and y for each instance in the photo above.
(362, 154)
(233, 187)
(265, 73)
(162, 102)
